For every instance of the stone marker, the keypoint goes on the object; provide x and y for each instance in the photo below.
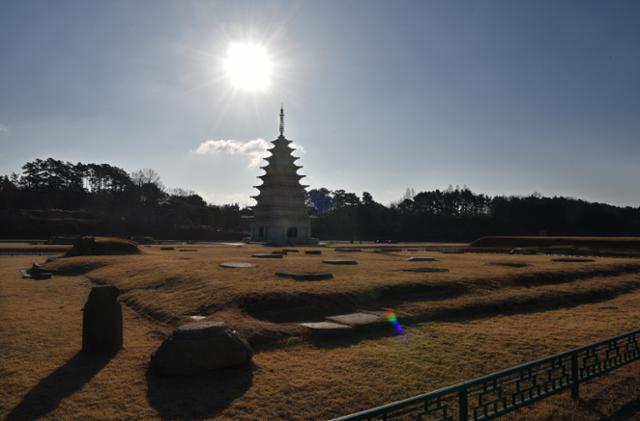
(425, 269)
(306, 276)
(340, 262)
(201, 346)
(102, 321)
(313, 252)
(236, 265)
(36, 272)
(326, 328)
(421, 259)
(267, 256)
(360, 319)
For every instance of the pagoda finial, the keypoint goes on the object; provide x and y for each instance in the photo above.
(281, 120)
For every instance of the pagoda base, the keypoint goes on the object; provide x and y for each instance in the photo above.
(282, 233)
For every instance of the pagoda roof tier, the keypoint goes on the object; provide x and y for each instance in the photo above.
(280, 171)
(293, 186)
(281, 147)
(260, 214)
(281, 176)
(281, 191)
(277, 201)
(281, 161)
(277, 198)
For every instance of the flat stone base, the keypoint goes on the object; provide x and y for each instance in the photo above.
(267, 256)
(509, 264)
(326, 328)
(421, 259)
(359, 319)
(340, 262)
(306, 276)
(236, 265)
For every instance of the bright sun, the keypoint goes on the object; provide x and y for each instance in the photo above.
(248, 67)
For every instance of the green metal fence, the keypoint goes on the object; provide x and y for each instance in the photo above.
(499, 393)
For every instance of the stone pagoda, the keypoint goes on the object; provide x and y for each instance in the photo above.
(280, 215)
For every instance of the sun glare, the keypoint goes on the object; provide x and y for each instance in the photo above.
(248, 67)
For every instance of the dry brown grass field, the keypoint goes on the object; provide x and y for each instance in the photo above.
(483, 314)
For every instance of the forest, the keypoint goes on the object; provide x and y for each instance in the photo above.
(56, 198)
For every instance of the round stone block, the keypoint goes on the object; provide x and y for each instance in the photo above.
(199, 347)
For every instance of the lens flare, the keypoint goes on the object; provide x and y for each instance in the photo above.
(391, 317)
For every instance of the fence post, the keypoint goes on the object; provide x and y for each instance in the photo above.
(462, 405)
(575, 391)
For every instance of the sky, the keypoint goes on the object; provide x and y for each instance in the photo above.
(504, 97)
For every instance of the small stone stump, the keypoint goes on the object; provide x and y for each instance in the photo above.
(102, 321)
(201, 346)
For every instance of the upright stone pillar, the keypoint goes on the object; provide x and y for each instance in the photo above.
(102, 321)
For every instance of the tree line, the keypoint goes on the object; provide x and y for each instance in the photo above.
(52, 197)
(458, 214)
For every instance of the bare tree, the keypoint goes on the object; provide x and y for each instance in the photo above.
(147, 176)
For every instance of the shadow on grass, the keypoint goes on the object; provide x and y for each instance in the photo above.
(64, 381)
(353, 337)
(626, 412)
(199, 396)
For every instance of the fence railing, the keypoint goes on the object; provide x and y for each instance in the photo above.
(499, 393)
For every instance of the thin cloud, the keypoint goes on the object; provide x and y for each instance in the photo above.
(255, 149)
(4, 129)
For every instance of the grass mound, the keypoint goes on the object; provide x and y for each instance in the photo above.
(102, 246)
(595, 243)
(266, 308)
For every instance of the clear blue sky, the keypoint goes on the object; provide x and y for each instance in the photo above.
(507, 97)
